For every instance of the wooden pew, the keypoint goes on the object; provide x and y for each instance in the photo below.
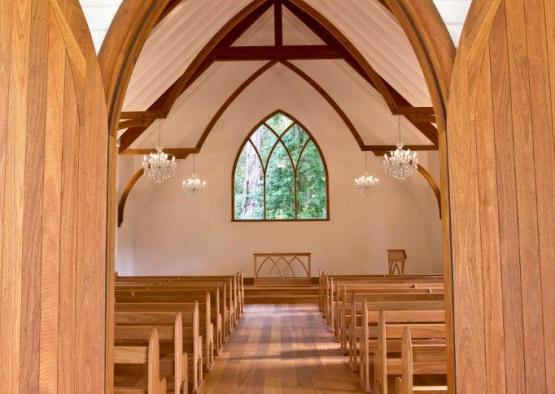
(223, 300)
(149, 356)
(376, 300)
(237, 290)
(345, 289)
(330, 290)
(344, 307)
(228, 293)
(185, 293)
(139, 332)
(373, 343)
(335, 284)
(207, 324)
(417, 359)
(431, 352)
(143, 314)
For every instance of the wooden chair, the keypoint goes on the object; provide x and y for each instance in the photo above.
(148, 356)
(397, 259)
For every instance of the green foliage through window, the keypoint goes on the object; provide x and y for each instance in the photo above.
(280, 174)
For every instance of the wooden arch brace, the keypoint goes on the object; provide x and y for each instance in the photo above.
(427, 34)
(432, 184)
(182, 153)
(125, 194)
(337, 46)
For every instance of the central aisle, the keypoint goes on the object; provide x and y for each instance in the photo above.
(281, 349)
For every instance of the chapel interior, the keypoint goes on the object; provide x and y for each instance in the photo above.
(277, 196)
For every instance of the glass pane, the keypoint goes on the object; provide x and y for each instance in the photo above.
(280, 180)
(311, 178)
(263, 139)
(249, 186)
(294, 139)
(279, 123)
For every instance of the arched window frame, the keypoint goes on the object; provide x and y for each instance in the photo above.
(294, 168)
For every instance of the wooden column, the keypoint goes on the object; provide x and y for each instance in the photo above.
(501, 174)
(53, 170)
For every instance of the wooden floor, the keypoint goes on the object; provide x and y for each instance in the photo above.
(281, 349)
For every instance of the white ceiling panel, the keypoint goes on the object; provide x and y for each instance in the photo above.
(173, 45)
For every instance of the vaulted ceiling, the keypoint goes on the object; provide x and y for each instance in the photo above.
(99, 14)
(203, 54)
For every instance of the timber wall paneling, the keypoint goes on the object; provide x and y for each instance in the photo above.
(53, 171)
(501, 167)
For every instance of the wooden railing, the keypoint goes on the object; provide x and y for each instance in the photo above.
(282, 268)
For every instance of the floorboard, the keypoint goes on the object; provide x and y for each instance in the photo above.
(281, 349)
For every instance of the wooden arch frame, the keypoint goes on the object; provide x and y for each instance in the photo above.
(428, 36)
(182, 153)
(338, 46)
(310, 139)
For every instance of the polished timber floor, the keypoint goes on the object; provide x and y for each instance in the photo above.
(281, 349)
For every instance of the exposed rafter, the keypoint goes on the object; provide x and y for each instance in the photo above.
(139, 118)
(337, 46)
(179, 153)
(224, 38)
(182, 153)
(333, 37)
(380, 150)
(284, 52)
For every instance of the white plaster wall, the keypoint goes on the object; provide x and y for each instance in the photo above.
(124, 238)
(170, 234)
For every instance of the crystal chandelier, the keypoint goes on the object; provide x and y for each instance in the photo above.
(366, 183)
(194, 186)
(401, 163)
(159, 166)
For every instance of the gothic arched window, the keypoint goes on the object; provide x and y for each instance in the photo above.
(280, 174)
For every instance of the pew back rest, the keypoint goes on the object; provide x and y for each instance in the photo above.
(149, 355)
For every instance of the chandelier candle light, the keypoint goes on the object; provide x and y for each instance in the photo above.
(159, 166)
(401, 163)
(194, 186)
(366, 183)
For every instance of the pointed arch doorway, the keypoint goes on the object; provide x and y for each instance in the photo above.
(502, 297)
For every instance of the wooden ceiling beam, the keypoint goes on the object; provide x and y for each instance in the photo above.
(337, 46)
(329, 99)
(333, 37)
(143, 115)
(278, 24)
(380, 150)
(179, 153)
(417, 114)
(287, 52)
(225, 37)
